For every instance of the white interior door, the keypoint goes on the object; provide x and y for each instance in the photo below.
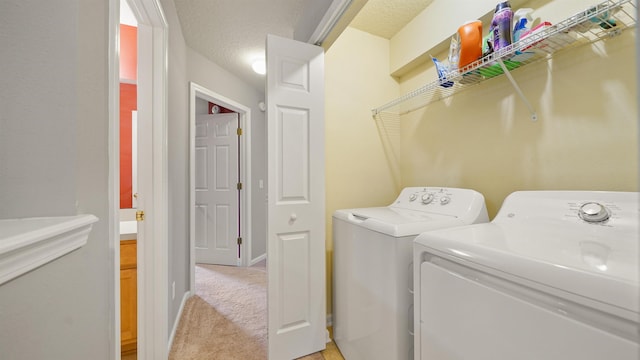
(296, 225)
(216, 212)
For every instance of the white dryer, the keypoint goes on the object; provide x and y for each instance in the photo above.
(554, 276)
(372, 267)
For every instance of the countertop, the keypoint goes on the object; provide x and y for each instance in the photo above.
(128, 230)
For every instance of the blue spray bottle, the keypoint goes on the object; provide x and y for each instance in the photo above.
(522, 21)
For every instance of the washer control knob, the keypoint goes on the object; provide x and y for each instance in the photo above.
(593, 212)
(445, 200)
(427, 198)
(413, 197)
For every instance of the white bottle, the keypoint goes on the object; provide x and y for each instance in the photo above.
(522, 21)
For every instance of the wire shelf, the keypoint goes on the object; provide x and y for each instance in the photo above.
(599, 22)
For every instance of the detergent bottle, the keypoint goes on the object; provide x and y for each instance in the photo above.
(522, 21)
(470, 34)
(501, 26)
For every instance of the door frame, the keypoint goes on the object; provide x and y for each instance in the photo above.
(244, 118)
(153, 259)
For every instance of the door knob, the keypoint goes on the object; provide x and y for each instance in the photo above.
(293, 217)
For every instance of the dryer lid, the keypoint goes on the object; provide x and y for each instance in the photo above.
(594, 263)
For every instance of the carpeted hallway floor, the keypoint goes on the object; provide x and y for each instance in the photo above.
(226, 318)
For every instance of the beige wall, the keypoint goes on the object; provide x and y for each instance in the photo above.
(586, 136)
(357, 171)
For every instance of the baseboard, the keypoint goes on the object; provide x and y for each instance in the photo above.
(186, 296)
(329, 327)
(257, 260)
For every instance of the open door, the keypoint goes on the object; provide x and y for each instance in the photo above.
(296, 264)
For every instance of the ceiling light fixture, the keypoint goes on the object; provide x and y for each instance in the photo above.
(259, 66)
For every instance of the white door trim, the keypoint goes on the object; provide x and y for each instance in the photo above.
(114, 172)
(244, 113)
(153, 259)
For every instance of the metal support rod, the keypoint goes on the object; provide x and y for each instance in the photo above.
(534, 116)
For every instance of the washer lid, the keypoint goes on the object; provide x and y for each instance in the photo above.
(574, 261)
(397, 222)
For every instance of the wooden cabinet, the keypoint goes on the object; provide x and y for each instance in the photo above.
(128, 297)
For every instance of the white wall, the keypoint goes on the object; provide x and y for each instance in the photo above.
(208, 74)
(178, 157)
(38, 142)
(54, 161)
(311, 16)
(202, 106)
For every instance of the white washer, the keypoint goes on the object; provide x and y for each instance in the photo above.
(373, 268)
(554, 276)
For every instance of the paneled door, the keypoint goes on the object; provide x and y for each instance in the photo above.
(217, 210)
(296, 261)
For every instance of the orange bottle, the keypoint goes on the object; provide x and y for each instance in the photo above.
(470, 34)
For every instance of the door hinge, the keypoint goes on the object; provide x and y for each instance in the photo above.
(239, 186)
(239, 131)
(239, 241)
(139, 215)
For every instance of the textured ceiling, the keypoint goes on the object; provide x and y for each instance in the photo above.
(385, 18)
(232, 33)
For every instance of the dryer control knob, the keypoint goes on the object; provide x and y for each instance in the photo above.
(413, 197)
(445, 200)
(427, 198)
(593, 212)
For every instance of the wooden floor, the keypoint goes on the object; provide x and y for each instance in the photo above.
(332, 352)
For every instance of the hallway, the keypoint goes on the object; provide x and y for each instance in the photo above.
(226, 318)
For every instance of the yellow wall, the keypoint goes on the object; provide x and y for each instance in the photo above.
(586, 137)
(357, 171)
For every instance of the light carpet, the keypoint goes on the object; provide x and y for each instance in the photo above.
(226, 318)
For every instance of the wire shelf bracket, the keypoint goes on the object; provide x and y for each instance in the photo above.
(532, 110)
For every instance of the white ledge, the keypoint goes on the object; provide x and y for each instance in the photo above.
(28, 243)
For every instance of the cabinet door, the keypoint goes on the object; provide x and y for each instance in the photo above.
(128, 296)
(128, 311)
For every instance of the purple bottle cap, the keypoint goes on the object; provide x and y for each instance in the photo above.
(502, 5)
